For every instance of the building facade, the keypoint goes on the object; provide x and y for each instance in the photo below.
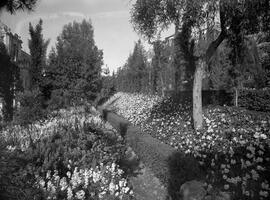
(13, 44)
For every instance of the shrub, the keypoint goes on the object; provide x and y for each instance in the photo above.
(182, 168)
(258, 100)
(69, 158)
(15, 183)
(31, 107)
(104, 95)
(209, 97)
(59, 99)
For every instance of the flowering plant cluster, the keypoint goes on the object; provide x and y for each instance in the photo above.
(233, 147)
(21, 136)
(66, 157)
(101, 182)
(134, 107)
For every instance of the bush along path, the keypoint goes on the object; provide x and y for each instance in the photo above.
(73, 156)
(233, 149)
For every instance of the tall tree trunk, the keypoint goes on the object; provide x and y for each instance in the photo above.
(162, 85)
(203, 61)
(155, 77)
(236, 97)
(176, 71)
(197, 95)
(182, 77)
(149, 81)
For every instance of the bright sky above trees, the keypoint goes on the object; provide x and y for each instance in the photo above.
(113, 32)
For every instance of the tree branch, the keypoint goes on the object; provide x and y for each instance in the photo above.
(215, 44)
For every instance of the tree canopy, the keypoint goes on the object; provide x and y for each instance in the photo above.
(75, 66)
(38, 47)
(14, 5)
(132, 77)
(235, 19)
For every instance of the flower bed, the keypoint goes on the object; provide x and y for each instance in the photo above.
(67, 157)
(233, 148)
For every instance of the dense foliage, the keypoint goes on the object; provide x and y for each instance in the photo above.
(237, 19)
(38, 47)
(65, 157)
(14, 5)
(74, 71)
(71, 154)
(9, 82)
(233, 146)
(133, 76)
(31, 107)
(258, 100)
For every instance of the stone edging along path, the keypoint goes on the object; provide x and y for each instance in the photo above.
(173, 168)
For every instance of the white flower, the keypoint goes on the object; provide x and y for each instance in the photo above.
(96, 176)
(68, 174)
(263, 193)
(226, 187)
(112, 187)
(48, 175)
(69, 193)
(100, 195)
(263, 136)
(126, 189)
(113, 166)
(80, 194)
(63, 184)
(42, 183)
(255, 175)
(122, 183)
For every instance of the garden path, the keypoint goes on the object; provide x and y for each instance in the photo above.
(146, 186)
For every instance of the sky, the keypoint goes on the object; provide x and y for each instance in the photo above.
(113, 31)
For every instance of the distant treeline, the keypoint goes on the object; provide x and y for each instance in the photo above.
(166, 68)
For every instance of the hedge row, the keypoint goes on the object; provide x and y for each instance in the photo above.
(258, 100)
(209, 97)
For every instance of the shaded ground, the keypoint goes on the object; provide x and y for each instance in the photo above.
(145, 185)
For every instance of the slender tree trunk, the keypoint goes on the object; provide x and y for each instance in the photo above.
(176, 71)
(182, 77)
(197, 95)
(162, 85)
(149, 81)
(236, 97)
(155, 77)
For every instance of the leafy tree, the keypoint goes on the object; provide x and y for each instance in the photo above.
(236, 19)
(159, 61)
(14, 5)
(218, 69)
(263, 43)
(38, 47)
(133, 75)
(137, 66)
(9, 82)
(9, 71)
(74, 70)
(184, 59)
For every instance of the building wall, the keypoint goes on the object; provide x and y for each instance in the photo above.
(24, 63)
(13, 45)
